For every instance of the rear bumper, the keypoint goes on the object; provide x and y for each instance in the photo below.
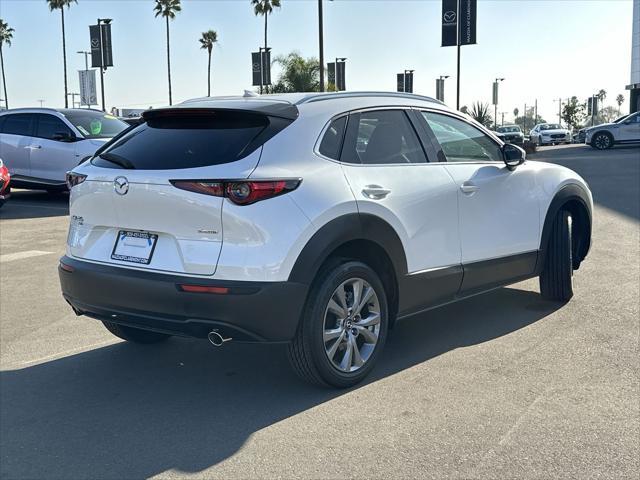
(249, 312)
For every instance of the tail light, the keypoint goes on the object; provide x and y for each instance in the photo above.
(240, 192)
(74, 179)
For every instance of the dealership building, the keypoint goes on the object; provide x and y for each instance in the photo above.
(634, 86)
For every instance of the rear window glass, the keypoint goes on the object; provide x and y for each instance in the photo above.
(332, 140)
(95, 124)
(183, 141)
(17, 124)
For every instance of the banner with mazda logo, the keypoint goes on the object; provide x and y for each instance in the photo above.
(459, 18)
(449, 23)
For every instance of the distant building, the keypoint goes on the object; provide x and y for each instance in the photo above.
(634, 86)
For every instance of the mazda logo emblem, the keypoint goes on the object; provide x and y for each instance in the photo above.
(121, 185)
(449, 17)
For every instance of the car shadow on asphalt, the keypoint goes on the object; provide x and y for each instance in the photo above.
(128, 411)
(35, 204)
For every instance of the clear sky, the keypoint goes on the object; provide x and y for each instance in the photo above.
(544, 48)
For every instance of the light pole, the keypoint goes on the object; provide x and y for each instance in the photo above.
(106, 21)
(86, 58)
(495, 102)
(440, 87)
(86, 66)
(73, 99)
(502, 122)
(321, 43)
(406, 76)
(41, 100)
(338, 60)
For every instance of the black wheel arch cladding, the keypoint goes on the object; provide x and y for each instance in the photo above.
(574, 198)
(344, 229)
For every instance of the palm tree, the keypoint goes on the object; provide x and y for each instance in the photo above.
(298, 74)
(264, 8)
(207, 41)
(6, 35)
(619, 98)
(602, 94)
(59, 5)
(168, 9)
(480, 113)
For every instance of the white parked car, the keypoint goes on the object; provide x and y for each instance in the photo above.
(319, 220)
(39, 145)
(549, 134)
(625, 131)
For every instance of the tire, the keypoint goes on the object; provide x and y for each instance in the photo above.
(556, 279)
(310, 350)
(135, 335)
(602, 141)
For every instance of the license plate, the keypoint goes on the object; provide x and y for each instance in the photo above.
(135, 247)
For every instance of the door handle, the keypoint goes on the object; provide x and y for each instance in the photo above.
(33, 147)
(375, 192)
(469, 188)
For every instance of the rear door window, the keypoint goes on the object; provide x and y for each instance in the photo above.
(381, 137)
(181, 140)
(18, 124)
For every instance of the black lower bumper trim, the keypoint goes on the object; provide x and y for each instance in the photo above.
(250, 312)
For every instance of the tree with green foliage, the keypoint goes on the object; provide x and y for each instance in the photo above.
(168, 10)
(480, 113)
(6, 35)
(207, 41)
(573, 112)
(59, 5)
(619, 101)
(298, 74)
(264, 8)
(602, 94)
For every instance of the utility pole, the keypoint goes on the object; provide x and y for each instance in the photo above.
(559, 100)
(524, 119)
(502, 122)
(535, 115)
(41, 102)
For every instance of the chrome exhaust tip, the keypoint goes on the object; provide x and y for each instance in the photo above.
(216, 339)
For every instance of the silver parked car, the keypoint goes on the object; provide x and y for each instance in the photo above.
(549, 134)
(39, 145)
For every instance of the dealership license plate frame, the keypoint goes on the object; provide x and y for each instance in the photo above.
(146, 252)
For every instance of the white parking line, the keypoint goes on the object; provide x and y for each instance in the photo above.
(9, 257)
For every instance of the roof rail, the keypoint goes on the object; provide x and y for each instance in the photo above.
(318, 97)
(51, 109)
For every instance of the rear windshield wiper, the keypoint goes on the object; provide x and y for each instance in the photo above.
(118, 160)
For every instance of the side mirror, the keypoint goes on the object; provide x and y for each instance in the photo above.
(512, 155)
(64, 137)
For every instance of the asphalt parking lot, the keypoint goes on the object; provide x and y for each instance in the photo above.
(503, 385)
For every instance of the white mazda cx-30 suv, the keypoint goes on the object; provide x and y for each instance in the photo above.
(316, 220)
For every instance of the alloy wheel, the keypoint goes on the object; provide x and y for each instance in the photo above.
(351, 326)
(602, 141)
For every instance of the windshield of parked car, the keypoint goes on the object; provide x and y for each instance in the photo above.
(513, 129)
(95, 124)
(550, 126)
